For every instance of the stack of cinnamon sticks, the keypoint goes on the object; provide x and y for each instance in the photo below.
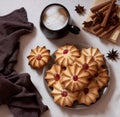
(104, 21)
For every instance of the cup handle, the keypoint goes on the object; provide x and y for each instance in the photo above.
(74, 29)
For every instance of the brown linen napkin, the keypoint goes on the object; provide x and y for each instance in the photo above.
(16, 90)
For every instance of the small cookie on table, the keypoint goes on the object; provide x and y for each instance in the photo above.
(39, 57)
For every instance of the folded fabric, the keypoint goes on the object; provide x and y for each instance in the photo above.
(16, 90)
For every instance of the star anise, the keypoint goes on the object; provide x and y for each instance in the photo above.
(113, 55)
(88, 24)
(80, 9)
(99, 17)
(114, 20)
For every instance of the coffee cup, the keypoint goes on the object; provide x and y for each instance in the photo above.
(55, 22)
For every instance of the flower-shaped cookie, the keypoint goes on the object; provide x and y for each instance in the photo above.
(74, 78)
(89, 94)
(66, 55)
(95, 54)
(62, 96)
(87, 64)
(39, 57)
(101, 78)
(53, 75)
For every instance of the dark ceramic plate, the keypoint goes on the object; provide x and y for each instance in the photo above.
(75, 105)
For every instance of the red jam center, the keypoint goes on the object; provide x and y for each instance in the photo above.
(64, 93)
(86, 91)
(38, 57)
(85, 66)
(57, 77)
(75, 78)
(65, 51)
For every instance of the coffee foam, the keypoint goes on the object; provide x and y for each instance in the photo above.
(55, 17)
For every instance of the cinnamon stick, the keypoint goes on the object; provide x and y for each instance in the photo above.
(108, 31)
(96, 27)
(101, 10)
(104, 22)
(97, 7)
(101, 30)
(104, 10)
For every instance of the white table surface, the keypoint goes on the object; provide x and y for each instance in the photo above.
(109, 105)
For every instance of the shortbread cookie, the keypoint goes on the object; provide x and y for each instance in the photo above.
(75, 78)
(95, 54)
(53, 75)
(66, 55)
(62, 96)
(101, 78)
(87, 64)
(39, 57)
(89, 94)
